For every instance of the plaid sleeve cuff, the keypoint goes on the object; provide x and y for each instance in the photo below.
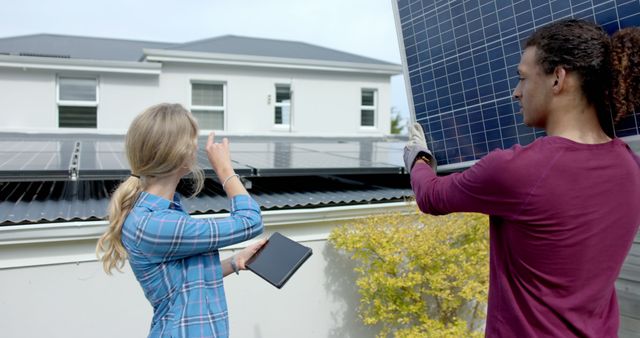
(243, 202)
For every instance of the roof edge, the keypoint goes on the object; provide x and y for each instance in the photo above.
(162, 55)
(33, 62)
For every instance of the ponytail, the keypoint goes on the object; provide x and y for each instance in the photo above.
(608, 67)
(161, 141)
(110, 249)
(625, 66)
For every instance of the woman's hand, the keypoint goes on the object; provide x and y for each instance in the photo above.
(243, 256)
(218, 155)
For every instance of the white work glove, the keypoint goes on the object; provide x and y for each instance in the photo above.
(417, 146)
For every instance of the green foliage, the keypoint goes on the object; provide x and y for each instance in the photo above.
(396, 122)
(420, 275)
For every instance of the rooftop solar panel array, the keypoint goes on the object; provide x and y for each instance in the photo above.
(24, 158)
(89, 157)
(461, 59)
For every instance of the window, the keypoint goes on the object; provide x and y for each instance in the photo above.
(207, 105)
(368, 108)
(77, 102)
(283, 105)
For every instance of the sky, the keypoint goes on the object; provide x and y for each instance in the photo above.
(363, 27)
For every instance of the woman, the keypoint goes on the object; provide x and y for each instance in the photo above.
(174, 256)
(564, 209)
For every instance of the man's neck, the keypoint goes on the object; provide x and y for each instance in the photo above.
(579, 124)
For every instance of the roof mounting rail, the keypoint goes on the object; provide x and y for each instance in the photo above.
(74, 162)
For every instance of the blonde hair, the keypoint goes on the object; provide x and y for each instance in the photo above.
(159, 142)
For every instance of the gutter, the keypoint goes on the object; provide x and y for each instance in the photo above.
(74, 242)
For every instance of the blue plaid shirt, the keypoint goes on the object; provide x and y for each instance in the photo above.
(175, 259)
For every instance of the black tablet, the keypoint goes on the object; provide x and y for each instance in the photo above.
(278, 259)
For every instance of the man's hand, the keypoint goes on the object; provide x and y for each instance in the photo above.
(416, 146)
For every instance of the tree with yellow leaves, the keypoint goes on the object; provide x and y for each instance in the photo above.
(420, 275)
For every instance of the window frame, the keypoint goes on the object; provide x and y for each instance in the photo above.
(77, 103)
(193, 107)
(276, 105)
(373, 107)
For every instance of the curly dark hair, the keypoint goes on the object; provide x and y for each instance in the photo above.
(625, 64)
(608, 67)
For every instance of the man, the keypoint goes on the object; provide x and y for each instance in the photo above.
(563, 210)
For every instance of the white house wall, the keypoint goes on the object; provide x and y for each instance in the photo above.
(122, 97)
(52, 286)
(324, 104)
(28, 99)
(77, 300)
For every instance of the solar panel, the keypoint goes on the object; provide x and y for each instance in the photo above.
(102, 159)
(397, 146)
(369, 152)
(22, 158)
(301, 161)
(297, 156)
(461, 59)
(42, 157)
(240, 169)
(335, 147)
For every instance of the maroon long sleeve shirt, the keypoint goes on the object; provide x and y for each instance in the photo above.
(563, 218)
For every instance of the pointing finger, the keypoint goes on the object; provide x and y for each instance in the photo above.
(210, 139)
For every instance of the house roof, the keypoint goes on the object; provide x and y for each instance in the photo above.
(77, 47)
(60, 201)
(64, 177)
(92, 48)
(239, 45)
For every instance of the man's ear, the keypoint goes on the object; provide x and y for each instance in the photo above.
(560, 79)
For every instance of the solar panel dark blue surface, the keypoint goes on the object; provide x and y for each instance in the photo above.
(34, 155)
(286, 157)
(42, 157)
(103, 155)
(461, 59)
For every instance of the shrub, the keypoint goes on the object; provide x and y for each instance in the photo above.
(420, 275)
